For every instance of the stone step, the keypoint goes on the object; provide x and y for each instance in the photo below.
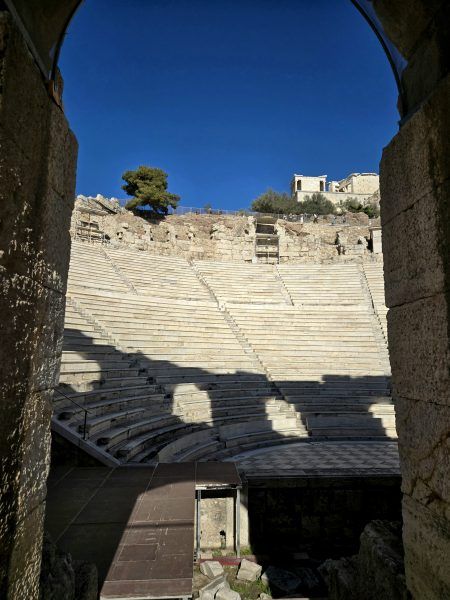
(186, 444)
(207, 378)
(211, 413)
(352, 433)
(348, 420)
(254, 444)
(106, 395)
(101, 382)
(156, 402)
(146, 445)
(238, 393)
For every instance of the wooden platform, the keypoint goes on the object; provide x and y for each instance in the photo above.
(136, 524)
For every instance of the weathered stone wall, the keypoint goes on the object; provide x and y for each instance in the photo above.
(377, 572)
(232, 238)
(316, 242)
(37, 176)
(415, 194)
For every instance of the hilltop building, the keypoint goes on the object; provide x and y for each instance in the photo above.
(355, 185)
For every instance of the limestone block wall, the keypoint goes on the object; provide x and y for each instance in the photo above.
(37, 181)
(415, 192)
(315, 242)
(191, 236)
(232, 238)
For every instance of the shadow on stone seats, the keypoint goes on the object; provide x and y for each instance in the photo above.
(133, 399)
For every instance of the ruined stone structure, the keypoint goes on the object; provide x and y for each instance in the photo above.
(361, 186)
(37, 172)
(221, 237)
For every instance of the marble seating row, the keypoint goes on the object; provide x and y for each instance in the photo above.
(241, 282)
(196, 345)
(331, 369)
(153, 367)
(322, 284)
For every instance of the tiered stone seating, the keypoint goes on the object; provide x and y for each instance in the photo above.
(91, 269)
(101, 387)
(190, 350)
(241, 282)
(317, 284)
(327, 364)
(161, 276)
(375, 279)
(150, 374)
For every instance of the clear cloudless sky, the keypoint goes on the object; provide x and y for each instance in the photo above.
(230, 97)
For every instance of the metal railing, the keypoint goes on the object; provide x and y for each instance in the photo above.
(292, 218)
(83, 408)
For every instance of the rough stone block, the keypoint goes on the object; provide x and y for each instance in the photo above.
(248, 570)
(211, 568)
(426, 538)
(62, 155)
(24, 562)
(376, 573)
(227, 594)
(417, 160)
(425, 452)
(35, 452)
(33, 328)
(405, 29)
(209, 591)
(414, 265)
(27, 215)
(24, 100)
(419, 350)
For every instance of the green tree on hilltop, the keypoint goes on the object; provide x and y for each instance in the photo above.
(354, 205)
(274, 202)
(148, 186)
(316, 204)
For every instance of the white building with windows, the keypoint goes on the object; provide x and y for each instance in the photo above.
(356, 185)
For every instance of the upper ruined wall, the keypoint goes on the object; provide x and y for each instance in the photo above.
(224, 237)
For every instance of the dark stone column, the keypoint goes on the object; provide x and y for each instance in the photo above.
(37, 178)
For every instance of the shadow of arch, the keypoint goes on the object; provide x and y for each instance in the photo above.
(237, 397)
(96, 507)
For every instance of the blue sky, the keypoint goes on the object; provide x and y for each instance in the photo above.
(230, 97)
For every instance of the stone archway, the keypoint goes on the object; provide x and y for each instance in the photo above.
(37, 175)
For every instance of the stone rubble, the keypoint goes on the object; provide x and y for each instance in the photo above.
(227, 594)
(209, 591)
(211, 568)
(248, 570)
(376, 572)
